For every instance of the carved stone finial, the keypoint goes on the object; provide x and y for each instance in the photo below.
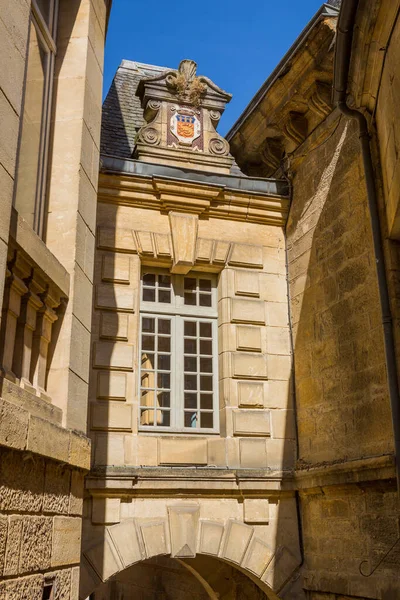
(185, 84)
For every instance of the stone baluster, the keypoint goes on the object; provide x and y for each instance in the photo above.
(41, 339)
(31, 304)
(15, 290)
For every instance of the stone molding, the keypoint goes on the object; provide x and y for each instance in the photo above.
(182, 534)
(209, 200)
(184, 248)
(21, 430)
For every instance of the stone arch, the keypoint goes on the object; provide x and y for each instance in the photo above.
(183, 535)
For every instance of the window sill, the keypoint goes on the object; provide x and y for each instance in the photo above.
(37, 251)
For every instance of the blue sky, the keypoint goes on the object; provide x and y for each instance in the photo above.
(237, 43)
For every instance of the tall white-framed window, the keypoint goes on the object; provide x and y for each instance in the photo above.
(179, 355)
(32, 162)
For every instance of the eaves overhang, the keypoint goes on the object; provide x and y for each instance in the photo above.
(163, 187)
(325, 11)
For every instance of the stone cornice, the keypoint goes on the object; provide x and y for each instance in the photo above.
(205, 199)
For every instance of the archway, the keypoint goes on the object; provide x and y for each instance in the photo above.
(192, 541)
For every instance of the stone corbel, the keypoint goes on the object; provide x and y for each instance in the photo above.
(295, 128)
(272, 154)
(184, 229)
(320, 99)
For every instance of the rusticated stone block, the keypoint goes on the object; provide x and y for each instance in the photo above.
(251, 422)
(104, 559)
(21, 482)
(56, 488)
(115, 297)
(247, 284)
(111, 415)
(111, 385)
(125, 538)
(182, 451)
(62, 587)
(253, 454)
(250, 394)
(13, 547)
(35, 544)
(76, 495)
(106, 510)
(48, 440)
(154, 536)
(13, 425)
(3, 540)
(256, 510)
(115, 268)
(66, 549)
(248, 311)
(236, 541)
(79, 451)
(21, 589)
(114, 325)
(244, 255)
(108, 355)
(251, 366)
(257, 557)
(116, 239)
(248, 338)
(210, 537)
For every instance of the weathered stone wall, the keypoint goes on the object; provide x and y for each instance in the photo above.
(342, 400)
(40, 526)
(348, 505)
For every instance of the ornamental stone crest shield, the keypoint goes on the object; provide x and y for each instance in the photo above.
(185, 125)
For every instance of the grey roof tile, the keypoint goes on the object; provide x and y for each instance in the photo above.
(122, 114)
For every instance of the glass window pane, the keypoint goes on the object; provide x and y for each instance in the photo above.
(206, 401)
(190, 382)
(206, 383)
(148, 325)
(165, 418)
(147, 380)
(190, 346)
(190, 400)
(149, 279)
(206, 365)
(146, 417)
(148, 342)
(164, 344)
(190, 283)
(147, 398)
(206, 347)
(164, 296)
(163, 381)
(206, 420)
(190, 419)
(205, 299)
(190, 328)
(147, 361)
(30, 150)
(190, 299)
(205, 330)
(149, 295)
(205, 285)
(164, 399)
(164, 362)
(190, 363)
(164, 280)
(164, 326)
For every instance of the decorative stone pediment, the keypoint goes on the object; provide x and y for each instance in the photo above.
(182, 111)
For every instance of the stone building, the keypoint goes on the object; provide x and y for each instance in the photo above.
(241, 395)
(50, 110)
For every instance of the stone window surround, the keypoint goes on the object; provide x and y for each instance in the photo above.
(180, 312)
(47, 33)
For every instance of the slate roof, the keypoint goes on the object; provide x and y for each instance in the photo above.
(122, 114)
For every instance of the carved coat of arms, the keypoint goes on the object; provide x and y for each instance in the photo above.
(185, 125)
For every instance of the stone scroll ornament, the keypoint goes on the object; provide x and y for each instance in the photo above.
(182, 110)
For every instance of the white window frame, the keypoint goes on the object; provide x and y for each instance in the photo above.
(178, 312)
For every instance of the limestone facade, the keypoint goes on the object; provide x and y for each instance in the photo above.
(50, 96)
